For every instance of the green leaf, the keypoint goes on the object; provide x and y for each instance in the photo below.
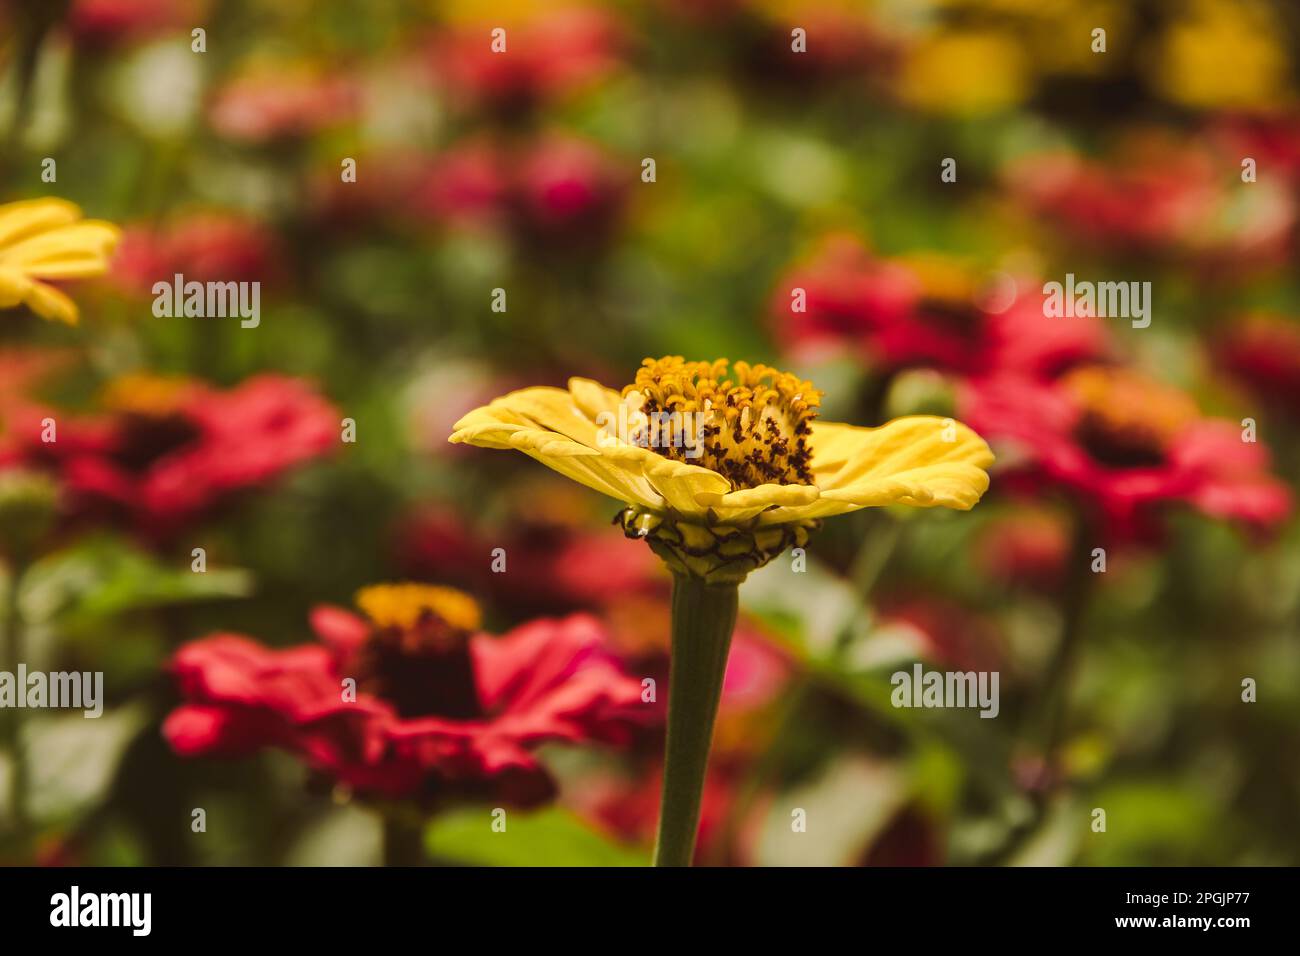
(550, 837)
(73, 759)
(103, 576)
(816, 611)
(854, 798)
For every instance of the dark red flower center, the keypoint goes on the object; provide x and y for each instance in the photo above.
(417, 655)
(1126, 421)
(1117, 448)
(142, 440)
(153, 418)
(960, 320)
(420, 675)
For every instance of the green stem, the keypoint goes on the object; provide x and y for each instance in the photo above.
(1045, 722)
(403, 842)
(704, 615)
(1058, 678)
(33, 21)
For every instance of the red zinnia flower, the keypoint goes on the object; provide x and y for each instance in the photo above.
(553, 55)
(555, 562)
(1272, 140)
(283, 101)
(1029, 546)
(207, 247)
(541, 189)
(1263, 353)
(928, 312)
(439, 711)
(1124, 445)
(567, 185)
(948, 632)
(169, 450)
(1156, 197)
(554, 186)
(106, 23)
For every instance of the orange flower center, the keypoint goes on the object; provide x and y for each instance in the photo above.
(406, 606)
(1127, 420)
(146, 395)
(749, 423)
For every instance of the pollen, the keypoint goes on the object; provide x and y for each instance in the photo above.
(1127, 419)
(408, 606)
(749, 423)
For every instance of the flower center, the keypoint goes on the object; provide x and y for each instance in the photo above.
(408, 606)
(749, 423)
(149, 396)
(944, 284)
(947, 296)
(153, 417)
(417, 656)
(1127, 421)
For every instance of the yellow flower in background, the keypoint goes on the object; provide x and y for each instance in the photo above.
(1057, 35)
(732, 453)
(44, 240)
(965, 73)
(502, 11)
(1218, 56)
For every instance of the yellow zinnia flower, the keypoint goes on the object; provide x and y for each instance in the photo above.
(730, 450)
(46, 239)
(1224, 56)
(722, 467)
(966, 73)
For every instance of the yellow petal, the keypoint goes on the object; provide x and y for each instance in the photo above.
(922, 461)
(30, 216)
(740, 506)
(524, 421)
(555, 427)
(593, 398)
(49, 303)
(76, 251)
(13, 287)
(688, 489)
